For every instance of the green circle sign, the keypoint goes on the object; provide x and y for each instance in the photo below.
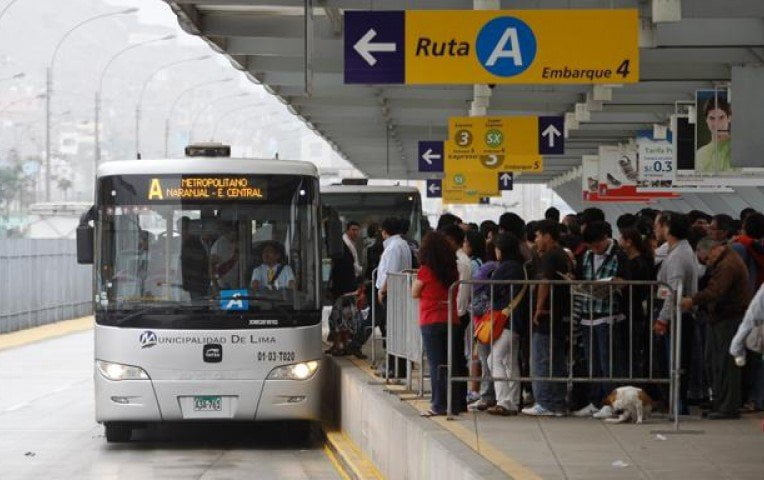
(494, 138)
(459, 179)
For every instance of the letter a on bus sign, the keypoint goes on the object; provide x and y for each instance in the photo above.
(234, 300)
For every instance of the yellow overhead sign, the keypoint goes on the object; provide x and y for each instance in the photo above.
(521, 46)
(495, 143)
(469, 185)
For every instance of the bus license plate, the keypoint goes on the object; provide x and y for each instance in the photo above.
(208, 404)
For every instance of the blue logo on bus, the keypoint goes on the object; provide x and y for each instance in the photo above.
(506, 46)
(148, 339)
(234, 300)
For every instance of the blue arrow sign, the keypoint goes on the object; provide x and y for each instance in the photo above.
(551, 135)
(506, 179)
(430, 156)
(374, 47)
(434, 188)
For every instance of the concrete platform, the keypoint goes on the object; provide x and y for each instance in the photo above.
(384, 421)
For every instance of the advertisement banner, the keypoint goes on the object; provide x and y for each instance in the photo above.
(593, 189)
(704, 149)
(655, 159)
(619, 177)
(658, 172)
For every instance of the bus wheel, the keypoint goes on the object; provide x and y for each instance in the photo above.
(116, 432)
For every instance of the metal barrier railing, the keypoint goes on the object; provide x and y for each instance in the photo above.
(582, 297)
(374, 337)
(403, 336)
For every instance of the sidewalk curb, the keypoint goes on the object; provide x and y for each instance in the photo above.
(27, 336)
(355, 465)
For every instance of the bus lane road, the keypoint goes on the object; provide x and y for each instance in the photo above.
(47, 430)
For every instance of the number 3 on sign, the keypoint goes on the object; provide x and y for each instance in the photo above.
(463, 138)
(623, 69)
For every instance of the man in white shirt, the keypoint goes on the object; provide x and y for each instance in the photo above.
(396, 257)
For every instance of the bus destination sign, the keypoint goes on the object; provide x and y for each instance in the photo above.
(206, 188)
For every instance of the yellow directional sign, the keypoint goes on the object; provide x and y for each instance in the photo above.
(521, 46)
(495, 143)
(459, 184)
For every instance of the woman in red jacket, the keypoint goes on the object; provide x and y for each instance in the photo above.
(437, 272)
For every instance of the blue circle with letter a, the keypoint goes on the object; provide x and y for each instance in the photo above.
(506, 46)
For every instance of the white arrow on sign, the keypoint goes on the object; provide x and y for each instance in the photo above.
(505, 178)
(551, 132)
(433, 188)
(429, 156)
(364, 47)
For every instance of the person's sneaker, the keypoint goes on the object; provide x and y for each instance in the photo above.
(604, 412)
(587, 411)
(472, 397)
(480, 405)
(538, 411)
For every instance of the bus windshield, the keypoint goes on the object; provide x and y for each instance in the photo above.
(234, 251)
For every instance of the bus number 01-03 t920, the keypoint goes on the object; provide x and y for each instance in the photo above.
(275, 356)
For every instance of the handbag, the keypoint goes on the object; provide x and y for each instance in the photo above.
(491, 324)
(754, 341)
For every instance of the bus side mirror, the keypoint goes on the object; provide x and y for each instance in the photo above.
(85, 238)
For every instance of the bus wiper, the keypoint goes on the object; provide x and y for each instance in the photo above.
(147, 310)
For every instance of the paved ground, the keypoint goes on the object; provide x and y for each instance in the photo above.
(47, 430)
(557, 448)
(573, 448)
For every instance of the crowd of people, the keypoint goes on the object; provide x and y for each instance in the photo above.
(586, 298)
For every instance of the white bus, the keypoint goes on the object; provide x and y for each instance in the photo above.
(207, 291)
(369, 204)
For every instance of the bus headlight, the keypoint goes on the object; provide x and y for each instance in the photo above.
(297, 371)
(117, 371)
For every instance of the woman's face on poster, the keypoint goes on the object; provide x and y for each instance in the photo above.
(718, 123)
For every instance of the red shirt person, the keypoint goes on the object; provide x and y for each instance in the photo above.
(437, 273)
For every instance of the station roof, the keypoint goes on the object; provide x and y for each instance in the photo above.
(376, 127)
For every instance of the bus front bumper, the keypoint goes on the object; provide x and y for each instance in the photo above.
(235, 400)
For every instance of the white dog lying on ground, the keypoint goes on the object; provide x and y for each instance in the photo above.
(633, 403)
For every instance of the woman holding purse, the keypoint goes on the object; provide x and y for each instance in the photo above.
(509, 300)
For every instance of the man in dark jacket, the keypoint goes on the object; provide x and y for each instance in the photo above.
(726, 297)
(345, 268)
(344, 279)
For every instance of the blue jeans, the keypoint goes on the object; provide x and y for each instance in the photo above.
(550, 395)
(599, 352)
(435, 344)
(362, 331)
